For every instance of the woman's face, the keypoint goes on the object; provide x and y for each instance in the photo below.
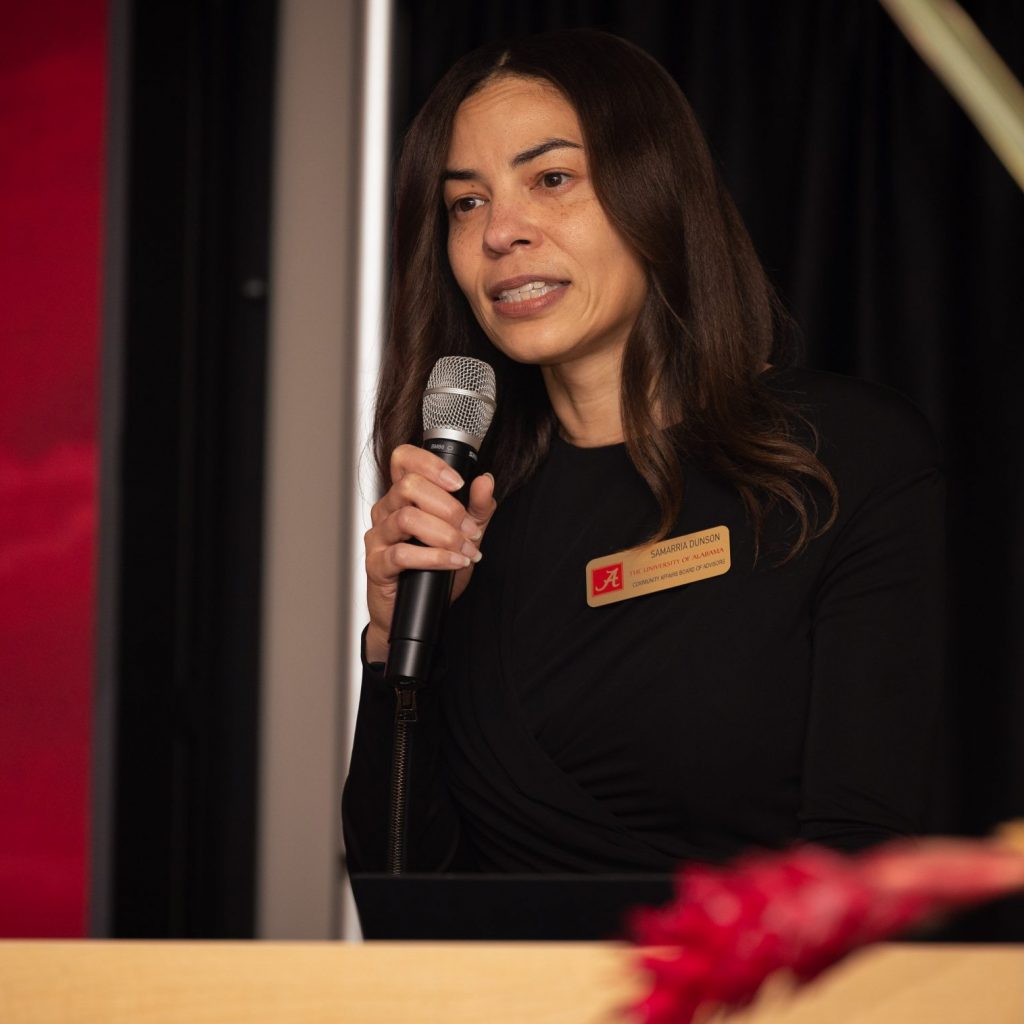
(547, 276)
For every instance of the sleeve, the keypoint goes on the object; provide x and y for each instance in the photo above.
(434, 834)
(878, 645)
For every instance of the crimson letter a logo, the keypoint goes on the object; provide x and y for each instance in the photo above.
(606, 578)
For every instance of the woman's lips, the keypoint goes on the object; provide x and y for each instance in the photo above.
(526, 296)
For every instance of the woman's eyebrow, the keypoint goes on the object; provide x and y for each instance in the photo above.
(531, 154)
(518, 160)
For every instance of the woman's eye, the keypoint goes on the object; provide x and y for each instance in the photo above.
(465, 203)
(554, 179)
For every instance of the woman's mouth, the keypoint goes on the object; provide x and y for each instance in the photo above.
(530, 290)
(528, 297)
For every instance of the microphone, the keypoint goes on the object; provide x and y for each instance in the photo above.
(458, 406)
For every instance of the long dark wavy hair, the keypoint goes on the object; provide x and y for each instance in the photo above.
(710, 322)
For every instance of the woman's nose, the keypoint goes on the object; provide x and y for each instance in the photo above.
(509, 225)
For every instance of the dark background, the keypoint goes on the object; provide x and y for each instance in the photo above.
(890, 229)
(196, 211)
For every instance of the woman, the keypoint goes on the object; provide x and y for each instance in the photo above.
(559, 216)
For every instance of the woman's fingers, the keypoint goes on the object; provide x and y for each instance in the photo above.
(419, 524)
(399, 557)
(419, 507)
(481, 502)
(411, 522)
(479, 512)
(407, 458)
(440, 545)
(422, 493)
(421, 479)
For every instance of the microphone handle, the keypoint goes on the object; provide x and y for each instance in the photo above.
(424, 594)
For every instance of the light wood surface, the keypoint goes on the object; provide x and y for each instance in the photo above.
(454, 983)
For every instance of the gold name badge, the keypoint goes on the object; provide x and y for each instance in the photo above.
(669, 563)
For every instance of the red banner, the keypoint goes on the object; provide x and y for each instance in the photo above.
(52, 120)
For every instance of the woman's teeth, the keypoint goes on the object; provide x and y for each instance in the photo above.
(533, 290)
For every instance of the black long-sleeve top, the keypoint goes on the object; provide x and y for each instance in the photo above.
(767, 705)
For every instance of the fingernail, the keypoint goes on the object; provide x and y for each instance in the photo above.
(471, 552)
(460, 561)
(451, 479)
(471, 528)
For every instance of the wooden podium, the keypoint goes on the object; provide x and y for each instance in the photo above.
(92, 982)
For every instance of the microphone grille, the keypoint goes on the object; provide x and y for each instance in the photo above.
(460, 396)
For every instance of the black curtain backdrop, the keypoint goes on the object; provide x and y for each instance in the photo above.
(896, 238)
(187, 576)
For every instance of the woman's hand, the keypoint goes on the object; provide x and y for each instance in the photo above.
(420, 505)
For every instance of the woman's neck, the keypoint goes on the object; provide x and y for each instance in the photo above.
(585, 396)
